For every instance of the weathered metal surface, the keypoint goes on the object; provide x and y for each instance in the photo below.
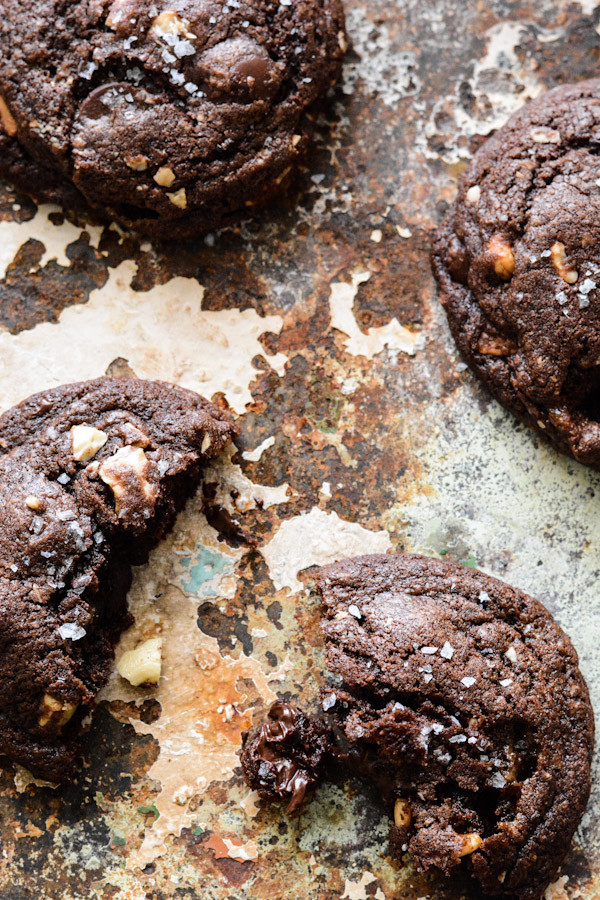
(355, 434)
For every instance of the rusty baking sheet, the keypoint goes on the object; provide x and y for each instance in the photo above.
(318, 325)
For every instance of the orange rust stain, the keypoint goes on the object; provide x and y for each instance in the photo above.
(29, 830)
(217, 845)
(232, 849)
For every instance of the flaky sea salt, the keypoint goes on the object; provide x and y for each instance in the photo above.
(355, 611)
(447, 651)
(37, 525)
(183, 48)
(468, 681)
(71, 631)
(66, 515)
(329, 702)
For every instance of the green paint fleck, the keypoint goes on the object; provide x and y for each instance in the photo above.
(198, 829)
(101, 801)
(206, 567)
(444, 551)
(470, 561)
(326, 420)
(118, 839)
(150, 808)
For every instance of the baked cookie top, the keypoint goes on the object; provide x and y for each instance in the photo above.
(518, 264)
(91, 477)
(462, 698)
(169, 116)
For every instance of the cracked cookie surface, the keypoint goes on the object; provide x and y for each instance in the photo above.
(171, 118)
(461, 698)
(517, 260)
(92, 476)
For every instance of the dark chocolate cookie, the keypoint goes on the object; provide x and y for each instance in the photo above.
(172, 118)
(518, 264)
(91, 478)
(462, 698)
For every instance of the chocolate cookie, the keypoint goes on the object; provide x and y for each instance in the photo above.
(462, 698)
(518, 264)
(171, 118)
(91, 478)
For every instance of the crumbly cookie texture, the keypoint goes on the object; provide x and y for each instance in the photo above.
(92, 476)
(517, 260)
(172, 118)
(460, 697)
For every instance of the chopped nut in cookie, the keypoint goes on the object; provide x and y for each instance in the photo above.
(137, 162)
(501, 255)
(559, 260)
(495, 346)
(8, 120)
(471, 843)
(54, 712)
(178, 198)
(545, 136)
(135, 436)
(165, 177)
(86, 441)
(142, 665)
(402, 813)
(169, 22)
(117, 472)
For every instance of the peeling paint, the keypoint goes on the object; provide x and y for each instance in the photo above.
(356, 890)
(56, 238)
(315, 539)
(317, 323)
(162, 333)
(255, 455)
(203, 712)
(393, 335)
(228, 847)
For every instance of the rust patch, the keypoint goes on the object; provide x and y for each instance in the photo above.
(404, 443)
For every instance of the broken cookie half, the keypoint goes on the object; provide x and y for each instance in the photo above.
(92, 476)
(458, 695)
